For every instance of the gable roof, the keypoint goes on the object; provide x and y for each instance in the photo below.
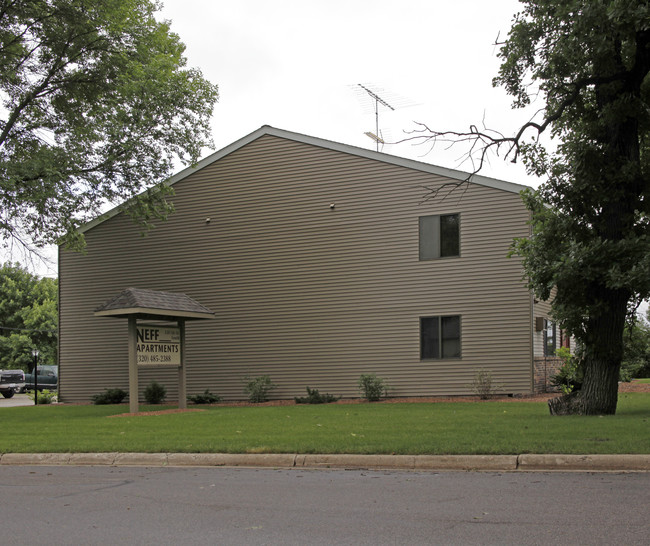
(330, 145)
(153, 304)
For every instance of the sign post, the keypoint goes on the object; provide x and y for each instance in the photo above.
(182, 388)
(153, 344)
(133, 364)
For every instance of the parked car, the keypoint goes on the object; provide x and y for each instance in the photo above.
(11, 382)
(48, 378)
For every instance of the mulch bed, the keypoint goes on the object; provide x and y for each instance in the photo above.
(634, 386)
(159, 412)
(622, 388)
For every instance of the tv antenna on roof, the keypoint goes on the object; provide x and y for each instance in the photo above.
(376, 136)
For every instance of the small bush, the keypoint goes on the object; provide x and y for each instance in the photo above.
(155, 393)
(44, 397)
(570, 375)
(258, 388)
(629, 370)
(314, 397)
(206, 398)
(373, 387)
(109, 396)
(483, 385)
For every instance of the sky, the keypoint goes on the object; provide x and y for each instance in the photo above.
(296, 65)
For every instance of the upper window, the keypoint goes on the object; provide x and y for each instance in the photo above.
(439, 236)
(440, 337)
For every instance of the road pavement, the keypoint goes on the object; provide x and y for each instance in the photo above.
(69, 505)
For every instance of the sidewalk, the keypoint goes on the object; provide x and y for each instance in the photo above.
(479, 463)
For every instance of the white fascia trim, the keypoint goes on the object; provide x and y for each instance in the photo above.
(331, 145)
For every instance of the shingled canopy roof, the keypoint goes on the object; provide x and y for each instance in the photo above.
(153, 305)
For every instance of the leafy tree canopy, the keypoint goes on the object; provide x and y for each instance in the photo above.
(587, 64)
(97, 104)
(28, 317)
(590, 60)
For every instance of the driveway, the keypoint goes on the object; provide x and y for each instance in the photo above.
(16, 400)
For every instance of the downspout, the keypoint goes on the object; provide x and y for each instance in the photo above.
(58, 327)
(532, 343)
(532, 325)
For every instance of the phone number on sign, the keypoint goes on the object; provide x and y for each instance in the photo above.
(154, 359)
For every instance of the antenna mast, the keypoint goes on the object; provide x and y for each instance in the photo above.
(378, 100)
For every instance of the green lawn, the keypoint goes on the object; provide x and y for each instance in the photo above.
(645, 380)
(441, 428)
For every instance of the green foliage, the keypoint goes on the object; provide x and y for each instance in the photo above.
(28, 317)
(206, 398)
(109, 396)
(483, 384)
(636, 350)
(44, 397)
(372, 387)
(570, 376)
(315, 397)
(154, 393)
(589, 253)
(258, 388)
(98, 104)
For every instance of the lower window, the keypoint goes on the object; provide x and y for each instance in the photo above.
(440, 337)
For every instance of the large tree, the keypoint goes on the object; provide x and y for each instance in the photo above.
(28, 317)
(97, 106)
(587, 63)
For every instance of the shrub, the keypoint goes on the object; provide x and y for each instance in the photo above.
(629, 370)
(314, 397)
(155, 393)
(483, 385)
(109, 396)
(206, 398)
(373, 387)
(570, 375)
(44, 397)
(258, 388)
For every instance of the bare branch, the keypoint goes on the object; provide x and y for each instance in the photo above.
(482, 142)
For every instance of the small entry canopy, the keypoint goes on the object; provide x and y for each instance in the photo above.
(136, 303)
(153, 305)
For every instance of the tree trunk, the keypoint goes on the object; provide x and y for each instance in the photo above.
(599, 393)
(598, 396)
(603, 353)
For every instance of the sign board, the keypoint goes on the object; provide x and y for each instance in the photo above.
(158, 345)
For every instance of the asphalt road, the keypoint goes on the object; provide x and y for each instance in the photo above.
(160, 506)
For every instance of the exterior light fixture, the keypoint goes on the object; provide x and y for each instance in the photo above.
(35, 354)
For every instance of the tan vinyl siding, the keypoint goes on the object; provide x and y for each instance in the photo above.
(310, 295)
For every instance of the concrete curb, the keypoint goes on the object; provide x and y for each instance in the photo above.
(479, 463)
(590, 463)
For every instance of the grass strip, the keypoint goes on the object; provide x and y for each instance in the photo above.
(409, 428)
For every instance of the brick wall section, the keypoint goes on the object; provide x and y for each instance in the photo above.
(544, 369)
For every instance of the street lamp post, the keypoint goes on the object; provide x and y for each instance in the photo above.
(35, 355)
